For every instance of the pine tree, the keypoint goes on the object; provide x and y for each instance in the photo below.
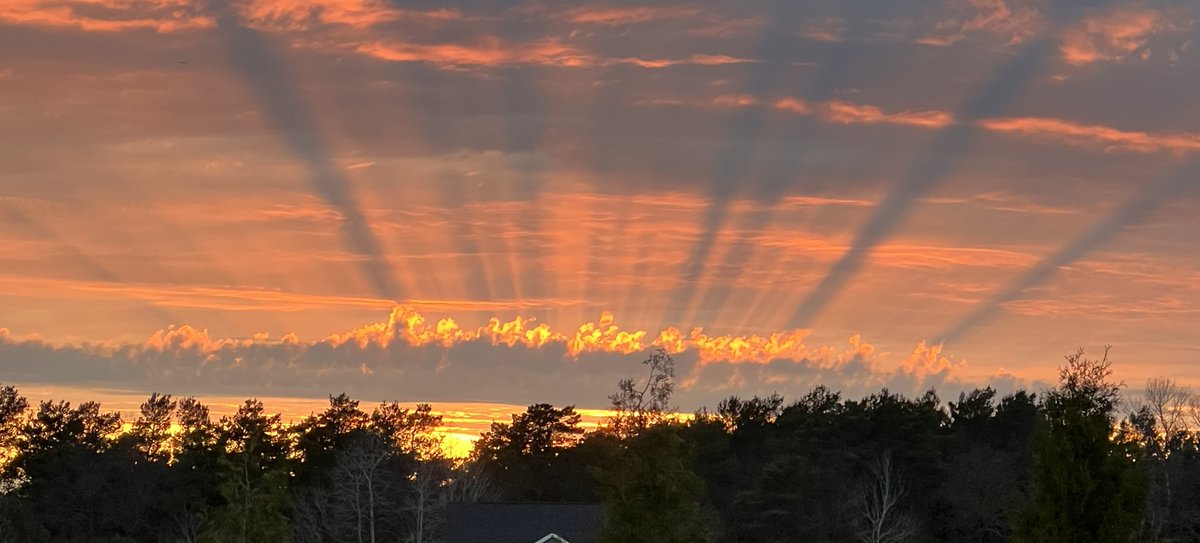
(1086, 485)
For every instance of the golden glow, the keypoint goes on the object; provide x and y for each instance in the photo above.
(407, 325)
(462, 422)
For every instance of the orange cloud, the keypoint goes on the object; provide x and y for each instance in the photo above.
(1013, 20)
(1069, 132)
(1111, 139)
(1117, 34)
(489, 52)
(842, 112)
(832, 29)
(926, 360)
(624, 15)
(547, 52)
(603, 336)
(186, 337)
(163, 16)
(697, 60)
(359, 14)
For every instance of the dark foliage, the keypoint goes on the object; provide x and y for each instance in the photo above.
(1059, 465)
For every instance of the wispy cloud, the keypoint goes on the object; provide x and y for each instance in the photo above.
(1105, 138)
(356, 14)
(1013, 21)
(162, 16)
(1120, 33)
(624, 15)
(492, 51)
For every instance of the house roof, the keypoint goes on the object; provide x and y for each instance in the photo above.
(552, 538)
(523, 522)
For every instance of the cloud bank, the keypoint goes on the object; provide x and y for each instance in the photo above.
(405, 358)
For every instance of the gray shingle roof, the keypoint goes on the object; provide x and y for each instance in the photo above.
(522, 522)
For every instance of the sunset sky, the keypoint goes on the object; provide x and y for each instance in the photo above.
(289, 198)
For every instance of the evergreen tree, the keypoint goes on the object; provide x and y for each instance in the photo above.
(1086, 486)
(652, 494)
(253, 479)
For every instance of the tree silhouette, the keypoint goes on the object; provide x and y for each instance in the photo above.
(1086, 485)
(253, 479)
(652, 494)
(637, 406)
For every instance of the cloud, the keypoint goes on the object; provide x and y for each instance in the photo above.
(1014, 21)
(1105, 138)
(299, 15)
(492, 51)
(488, 52)
(1119, 33)
(408, 358)
(831, 29)
(625, 15)
(162, 16)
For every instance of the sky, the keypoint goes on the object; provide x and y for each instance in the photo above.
(497, 203)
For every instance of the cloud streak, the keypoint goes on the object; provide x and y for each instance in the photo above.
(1068, 132)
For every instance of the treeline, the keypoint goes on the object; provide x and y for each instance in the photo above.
(1078, 462)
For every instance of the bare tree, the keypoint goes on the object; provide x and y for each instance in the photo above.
(1167, 405)
(315, 519)
(469, 483)
(1193, 410)
(426, 499)
(361, 484)
(636, 408)
(1168, 402)
(190, 523)
(879, 505)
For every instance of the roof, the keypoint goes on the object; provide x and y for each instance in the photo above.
(523, 522)
(552, 538)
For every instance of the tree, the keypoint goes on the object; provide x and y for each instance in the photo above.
(426, 498)
(253, 479)
(1086, 485)
(361, 483)
(469, 483)
(13, 408)
(651, 494)
(57, 424)
(151, 431)
(972, 409)
(524, 457)
(636, 408)
(84, 481)
(196, 457)
(357, 501)
(1156, 424)
(756, 412)
(878, 502)
(197, 435)
(411, 432)
(1167, 403)
(320, 436)
(376, 478)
